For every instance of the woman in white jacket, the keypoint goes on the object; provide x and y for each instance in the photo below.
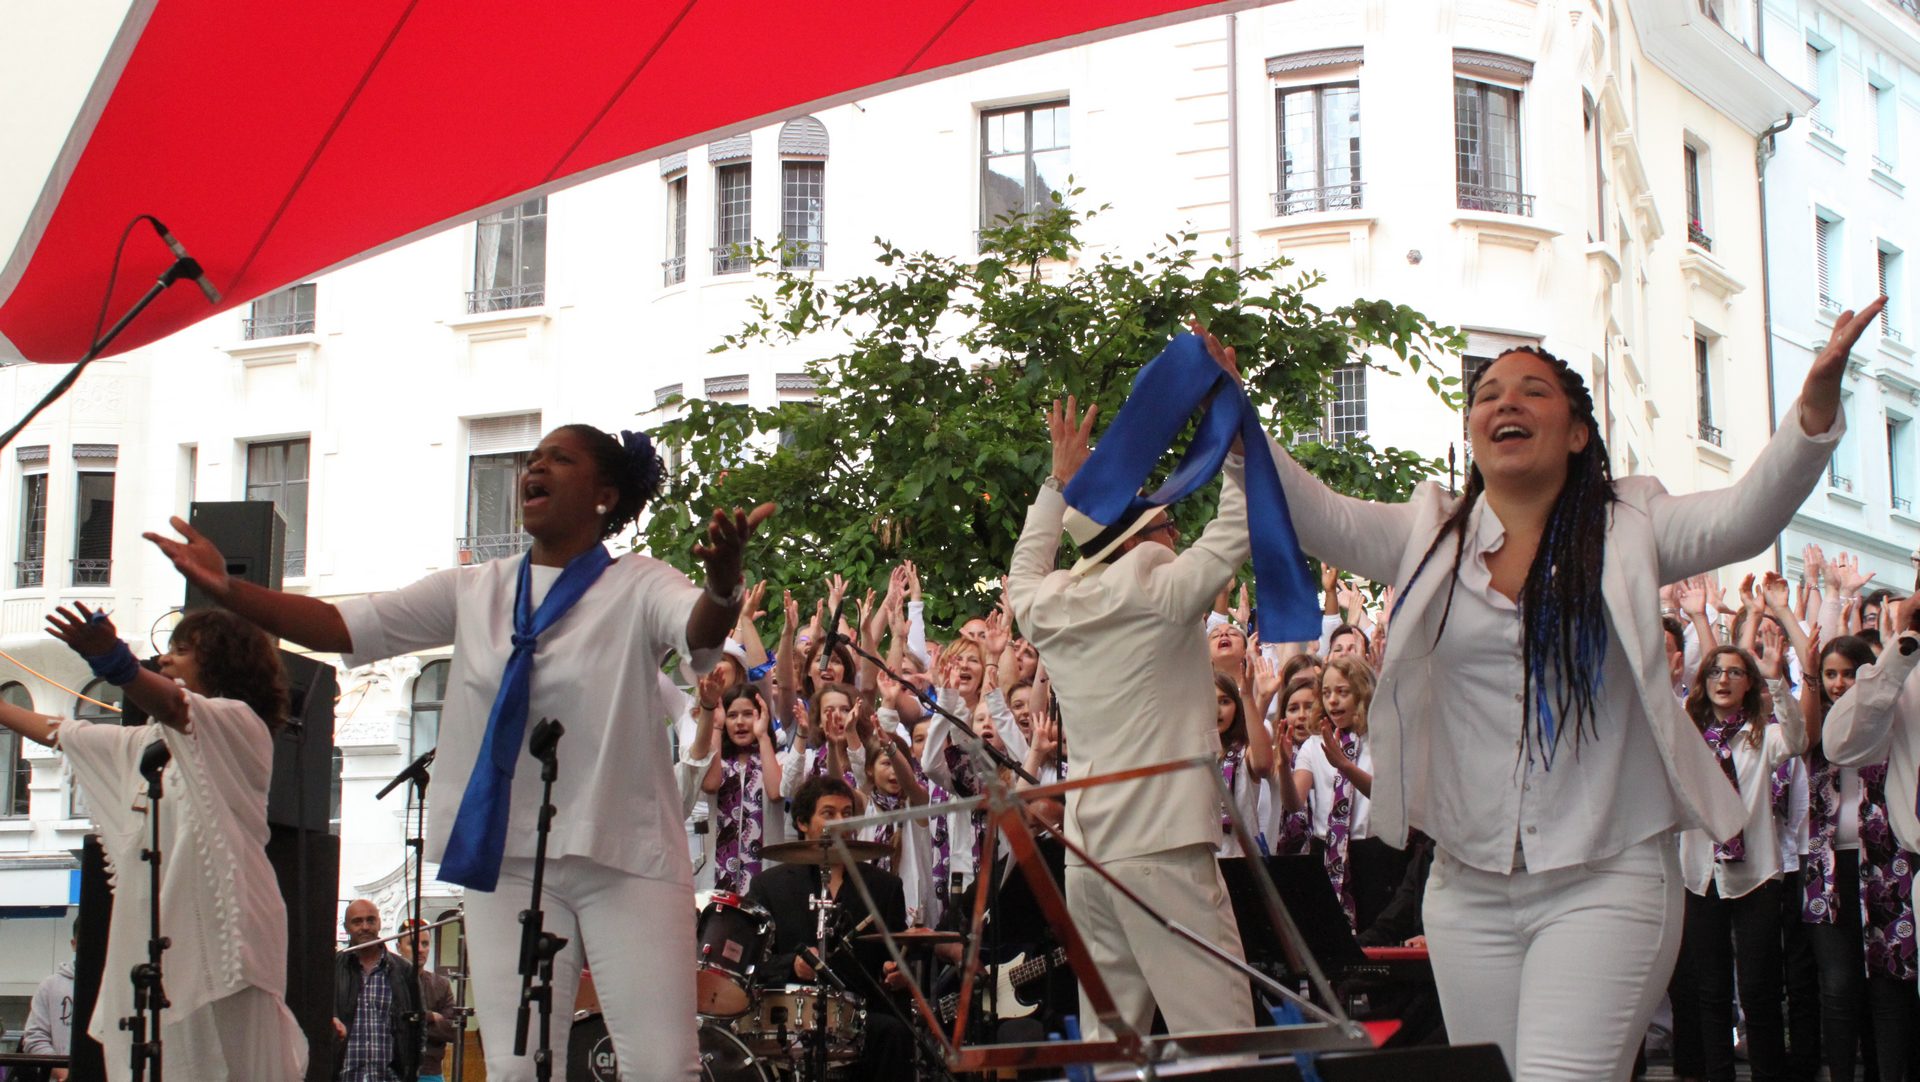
(1525, 719)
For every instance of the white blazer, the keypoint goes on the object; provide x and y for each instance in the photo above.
(1125, 645)
(1654, 537)
(1878, 721)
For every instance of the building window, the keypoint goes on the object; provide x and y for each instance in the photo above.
(93, 528)
(1827, 255)
(1319, 148)
(88, 708)
(732, 217)
(31, 568)
(1023, 161)
(429, 695)
(1696, 205)
(1886, 122)
(1821, 80)
(803, 188)
(1471, 365)
(16, 774)
(1703, 388)
(1845, 453)
(1347, 414)
(277, 472)
(1486, 142)
(1890, 266)
(290, 311)
(497, 450)
(1900, 463)
(676, 261)
(1596, 170)
(510, 259)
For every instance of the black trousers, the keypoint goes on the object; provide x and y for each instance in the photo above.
(1839, 953)
(1725, 937)
(1802, 975)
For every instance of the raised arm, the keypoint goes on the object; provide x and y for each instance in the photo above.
(1038, 549)
(91, 635)
(1859, 727)
(722, 551)
(309, 621)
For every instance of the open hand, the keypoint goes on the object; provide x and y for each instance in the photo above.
(195, 557)
(725, 542)
(1820, 395)
(79, 629)
(1070, 433)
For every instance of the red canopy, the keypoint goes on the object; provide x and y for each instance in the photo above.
(279, 140)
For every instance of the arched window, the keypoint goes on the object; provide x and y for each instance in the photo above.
(429, 694)
(803, 193)
(91, 711)
(15, 771)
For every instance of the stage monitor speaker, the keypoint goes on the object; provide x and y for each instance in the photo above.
(300, 795)
(307, 864)
(250, 534)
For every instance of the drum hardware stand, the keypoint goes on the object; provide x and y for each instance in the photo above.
(416, 777)
(537, 945)
(149, 994)
(826, 910)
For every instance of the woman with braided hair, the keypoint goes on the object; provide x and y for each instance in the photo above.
(568, 632)
(1524, 717)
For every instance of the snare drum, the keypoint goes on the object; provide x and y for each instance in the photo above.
(723, 1058)
(783, 1019)
(735, 936)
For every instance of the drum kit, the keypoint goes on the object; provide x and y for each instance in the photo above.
(755, 1029)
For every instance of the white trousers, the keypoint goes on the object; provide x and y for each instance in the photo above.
(1143, 963)
(1561, 969)
(637, 936)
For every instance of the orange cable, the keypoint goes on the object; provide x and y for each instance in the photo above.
(58, 684)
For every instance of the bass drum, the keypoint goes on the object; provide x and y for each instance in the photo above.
(723, 1058)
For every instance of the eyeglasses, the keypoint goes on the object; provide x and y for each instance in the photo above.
(1164, 524)
(1718, 671)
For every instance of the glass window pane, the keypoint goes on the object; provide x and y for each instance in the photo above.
(1050, 169)
(532, 269)
(1299, 161)
(1340, 139)
(1003, 189)
(296, 459)
(93, 529)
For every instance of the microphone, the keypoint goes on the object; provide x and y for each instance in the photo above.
(834, 638)
(193, 269)
(154, 759)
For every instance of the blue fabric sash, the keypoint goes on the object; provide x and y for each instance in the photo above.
(479, 836)
(1165, 394)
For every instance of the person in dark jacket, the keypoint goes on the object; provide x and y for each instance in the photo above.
(376, 1005)
(439, 1023)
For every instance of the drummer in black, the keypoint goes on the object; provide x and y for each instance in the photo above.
(785, 889)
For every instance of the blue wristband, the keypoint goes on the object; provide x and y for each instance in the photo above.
(117, 666)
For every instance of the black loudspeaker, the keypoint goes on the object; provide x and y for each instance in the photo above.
(307, 864)
(300, 795)
(250, 534)
(89, 958)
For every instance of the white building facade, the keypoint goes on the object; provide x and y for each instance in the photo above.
(1577, 174)
(1841, 220)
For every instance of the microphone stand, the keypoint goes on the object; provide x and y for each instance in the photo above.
(416, 776)
(537, 945)
(149, 995)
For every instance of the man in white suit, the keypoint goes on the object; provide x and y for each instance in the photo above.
(1123, 635)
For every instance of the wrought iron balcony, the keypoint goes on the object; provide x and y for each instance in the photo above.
(803, 254)
(731, 259)
(1903, 505)
(506, 298)
(1838, 483)
(92, 572)
(1883, 165)
(1820, 127)
(1496, 200)
(676, 269)
(1892, 334)
(1326, 197)
(254, 327)
(296, 563)
(1828, 304)
(28, 573)
(1697, 235)
(1711, 434)
(480, 548)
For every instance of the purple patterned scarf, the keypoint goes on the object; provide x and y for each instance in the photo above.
(1823, 822)
(741, 807)
(1886, 883)
(1229, 767)
(1719, 734)
(1339, 831)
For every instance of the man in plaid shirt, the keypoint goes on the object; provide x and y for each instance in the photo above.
(376, 1005)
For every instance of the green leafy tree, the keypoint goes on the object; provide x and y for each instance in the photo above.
(926, 439)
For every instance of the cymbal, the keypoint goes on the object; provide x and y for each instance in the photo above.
(822, 851)
(915, 937)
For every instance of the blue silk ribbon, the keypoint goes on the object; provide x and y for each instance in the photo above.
(479, 836)
(1165, 394)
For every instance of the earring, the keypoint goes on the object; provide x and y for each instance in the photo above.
(599, 508)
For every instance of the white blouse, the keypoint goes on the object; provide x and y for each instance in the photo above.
(1312, 757)
(1762, 836)
(596, 671)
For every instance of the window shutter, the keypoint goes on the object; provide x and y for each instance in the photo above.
(1822, 240)
(519, 432)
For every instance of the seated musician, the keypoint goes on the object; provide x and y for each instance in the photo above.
(784, 891)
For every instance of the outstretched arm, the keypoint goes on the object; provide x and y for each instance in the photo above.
(1035, 554)
(722, 549)
(91, 635)
(309, 621)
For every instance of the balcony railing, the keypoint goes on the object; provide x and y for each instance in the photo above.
(1496, 200)
(803, 254)
(1326, 197)
(1821, 127)
(29, 573)
(275, 326)
(1903, 505)
(730, 259)
(1838, 483)
(480, 548)
(676, 269)
(92, 572)
(1697, 235)
(1711, 434)
(506, 298)
(1883, 165)
(1892, 334)
(1828, 304)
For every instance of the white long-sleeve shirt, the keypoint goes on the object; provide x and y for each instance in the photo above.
(1762, 836)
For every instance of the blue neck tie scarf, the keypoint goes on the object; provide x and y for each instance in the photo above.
(1165, 394)
(479, 836)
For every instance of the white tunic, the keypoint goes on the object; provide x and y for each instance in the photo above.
(1754, 767)
(596, 671)
(220, 903)
(1312, 757)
